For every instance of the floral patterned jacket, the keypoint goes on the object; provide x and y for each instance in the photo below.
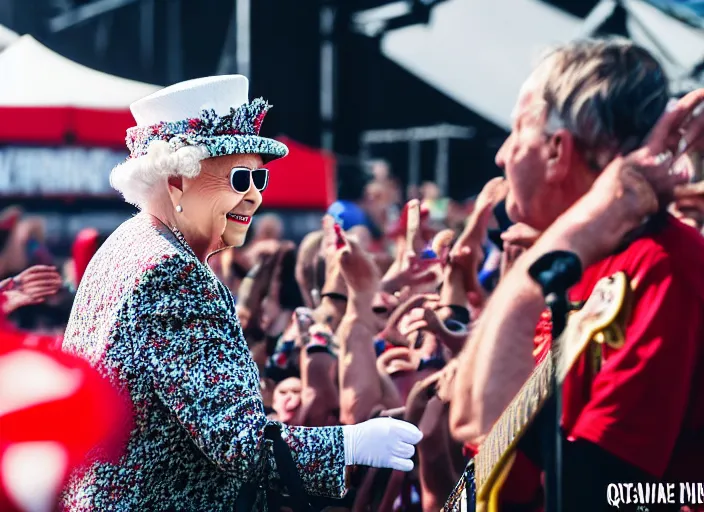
(159, 324)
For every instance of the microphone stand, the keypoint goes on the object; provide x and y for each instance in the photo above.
(555, 272)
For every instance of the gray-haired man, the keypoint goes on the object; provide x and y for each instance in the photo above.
(641, 417)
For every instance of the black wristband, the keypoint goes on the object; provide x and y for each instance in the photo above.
(334, 296)
(460, 314)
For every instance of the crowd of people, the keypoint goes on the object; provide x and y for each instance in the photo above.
(389, 310)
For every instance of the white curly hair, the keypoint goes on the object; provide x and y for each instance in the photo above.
(136, 178)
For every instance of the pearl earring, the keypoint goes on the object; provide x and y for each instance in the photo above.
(179, 208)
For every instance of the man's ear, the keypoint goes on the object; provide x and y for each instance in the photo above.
(561, 146)
(175, 187)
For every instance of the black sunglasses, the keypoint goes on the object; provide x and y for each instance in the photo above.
(241, 179)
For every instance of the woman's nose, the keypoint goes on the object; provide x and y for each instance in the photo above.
(253, 195)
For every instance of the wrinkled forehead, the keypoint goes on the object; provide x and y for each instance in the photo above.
(531, 103)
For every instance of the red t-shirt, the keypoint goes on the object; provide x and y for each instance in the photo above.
(646, 405)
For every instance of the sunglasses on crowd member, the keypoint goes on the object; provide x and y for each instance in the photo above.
(242, 178)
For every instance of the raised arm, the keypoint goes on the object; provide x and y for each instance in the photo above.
(498, 358)
(360, 386)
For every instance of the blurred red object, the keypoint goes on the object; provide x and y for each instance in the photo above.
(399, 228)
(54, 410)
(11, 336)
(9, 218)
(84, 248)
(51, 125)
(305, 179)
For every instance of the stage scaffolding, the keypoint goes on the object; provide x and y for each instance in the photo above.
(442, 134)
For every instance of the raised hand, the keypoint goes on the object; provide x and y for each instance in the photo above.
(468, 253)
(408, 268)
(620, 200)
(358, 268)
(334, 282)
(442, 244)
(689, 204)
(517, 239)
(683, 122)
(631, 188)
(31, 286)
(381, 443)
(412, 234)
(427, 319)
(420, 276)
(521, 235)
(679, 130)
(392, 332)
(475, 230)
(304, 318)
(398, 359)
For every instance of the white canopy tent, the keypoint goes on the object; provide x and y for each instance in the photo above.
(7, 37)
(47, 101)
(46, 98)
(479, 53)
(33, 75)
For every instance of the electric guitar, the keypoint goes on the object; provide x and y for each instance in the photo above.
(602, 319)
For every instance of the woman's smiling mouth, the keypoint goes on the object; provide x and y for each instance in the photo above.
(240, 219)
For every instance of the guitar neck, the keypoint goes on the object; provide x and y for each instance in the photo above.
(514, 420)
(602, 318)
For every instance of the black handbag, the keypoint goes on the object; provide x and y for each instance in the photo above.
(297, 498)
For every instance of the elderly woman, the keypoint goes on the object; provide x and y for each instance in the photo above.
(151, 316)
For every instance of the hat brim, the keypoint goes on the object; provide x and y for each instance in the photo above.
(223, 145)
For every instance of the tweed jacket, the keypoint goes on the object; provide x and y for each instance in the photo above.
(160, 326)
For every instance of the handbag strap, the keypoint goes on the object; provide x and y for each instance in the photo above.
(298, 499)
(288, 472)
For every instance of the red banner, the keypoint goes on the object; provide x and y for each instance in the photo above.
(53, 126)
(305, 179)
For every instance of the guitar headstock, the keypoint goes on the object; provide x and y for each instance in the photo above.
(608, 304)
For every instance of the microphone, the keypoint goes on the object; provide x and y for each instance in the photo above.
(556, 272)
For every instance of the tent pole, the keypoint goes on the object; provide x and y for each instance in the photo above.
(414, 164)
(174, 54)
(328, 64)
(442, 172)
(228, 56)
(244, 41)
(146, 33)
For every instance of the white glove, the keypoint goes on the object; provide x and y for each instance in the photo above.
(381, 443)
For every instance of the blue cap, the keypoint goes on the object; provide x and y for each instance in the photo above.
(428, 254)
(347, 214)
